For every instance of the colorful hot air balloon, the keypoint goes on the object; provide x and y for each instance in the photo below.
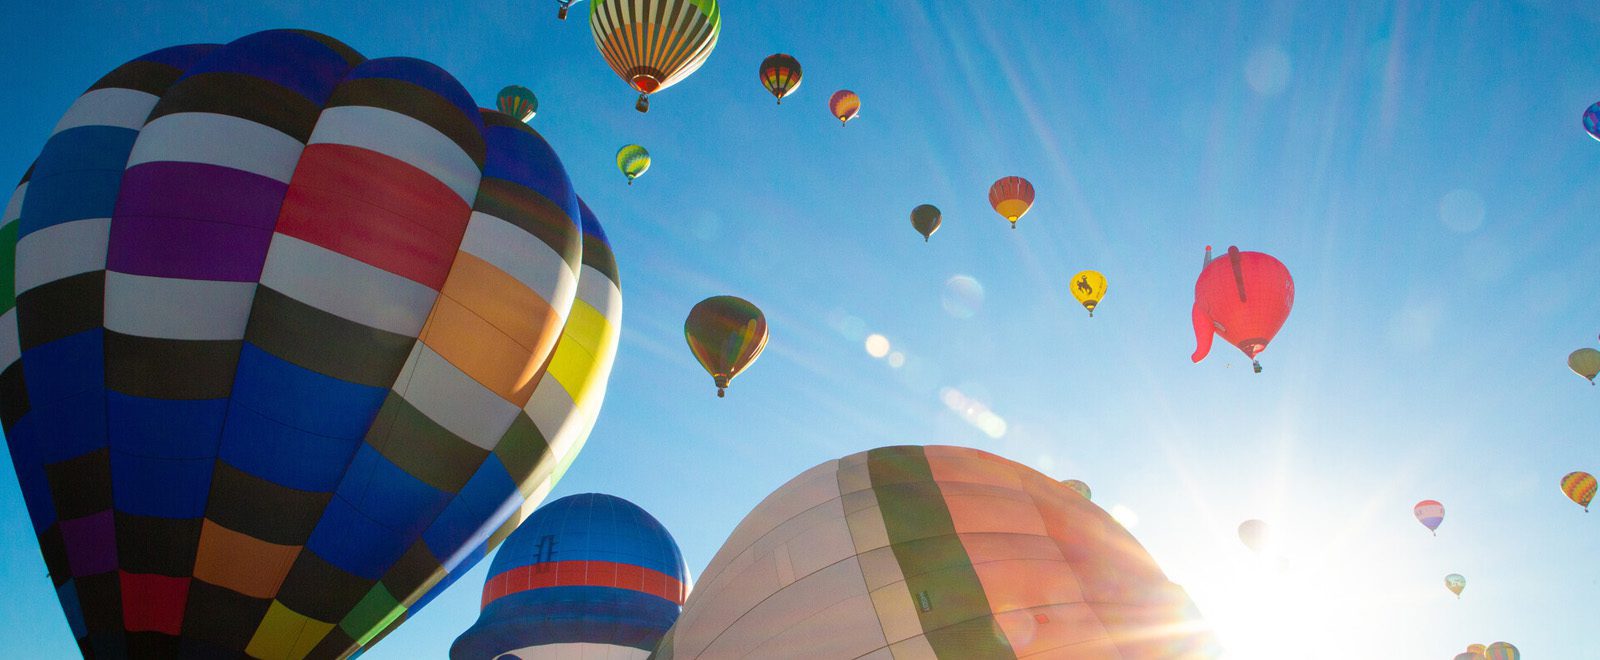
(633, 161)
(1585, 362)
(587, 576)
(1430, 513)
(1245, 298)
(1011, 197)
(1502, 651)
(1254, 534)
(845, 105)
(726, 334)
(517, 101)
(654, 44)
(925, 219)
(233, 434)
(780, 74)
(1089, 287)
(1455, 583)
(929, 552)
(1079, 487)
(1591, 121)
(1579, 487)
(1477, 648)
(1469, 655)
(561, 12)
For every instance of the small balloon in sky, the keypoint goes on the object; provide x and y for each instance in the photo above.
(518, 102)
(845, 105)
(1477, 648)
(633, 160)
(925, 219)
(963, 296)
(1579, 487)
(1585, 362)
(1502, 651)
(1080, 488)
(1089, 287)
(726, 334)
(1011, 197)
(1469, 655)
(627, 34)
(1254, 534)
(1245, 297)
(1430, 513)
(1455, 583)
(780, 74)
(1591, 121)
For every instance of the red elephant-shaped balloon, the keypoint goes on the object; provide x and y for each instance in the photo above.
(1244, 297)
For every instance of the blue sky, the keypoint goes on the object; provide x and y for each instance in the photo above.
(1422, 171)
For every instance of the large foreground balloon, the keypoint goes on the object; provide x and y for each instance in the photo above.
(587, 576)
(1011, 197)
(289, 340)
(726, 334)
(780, 74)
(925, 219)
(1579, 487)
(1585, 362)
(1502, 651)
(1245, 298)
(654, 44)
(844, 105)
(1455, 583)
(1430, 513)
(1089, 287)
(923, 552)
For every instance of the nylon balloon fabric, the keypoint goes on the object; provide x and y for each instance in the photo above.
(933, 551)
(290, 339)
(1245, 297)
(654, 44)
(589, 575)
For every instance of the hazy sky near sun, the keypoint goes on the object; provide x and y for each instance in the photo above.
(1421, 170)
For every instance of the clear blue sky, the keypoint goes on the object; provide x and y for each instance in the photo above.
(1422, 171)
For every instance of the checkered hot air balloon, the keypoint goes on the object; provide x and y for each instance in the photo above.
(291, 338)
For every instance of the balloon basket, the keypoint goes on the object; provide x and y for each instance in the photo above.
(643, 105)
(1255, 365)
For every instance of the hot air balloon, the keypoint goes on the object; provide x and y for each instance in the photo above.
(1579, 487)
(1477, 648)
(933, 551)
(1502, 651)
(517, 101)
(726, 334)
(1430, 513)
(845, 105)
(1245, 298)
(925, 219)
(233, 433)
(633, 161)
(561, 12)
(1089, 287)
(1079, 487)
(1254, 534)
(1455, 583)
(1011, 197)
(780, 74)
(1591, 121)
(1585, 362)
(647, 52)
(1469, 655)
(589, 575)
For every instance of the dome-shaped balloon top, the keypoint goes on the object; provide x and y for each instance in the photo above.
(586, 569)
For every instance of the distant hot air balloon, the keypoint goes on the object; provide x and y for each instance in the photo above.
(726, 334)
(1502, 651)
(633, 161)
(1477, 648)
(1080, 488)
(587, 576)
(1245, 298)
(933, 552)
(1089, 287)
(1591, 121)
(1455, 583)
(517, 101)
(561, 12)
(845, 105)
(1469, 655)
(1579, 487)
(1585, 362)
(780, 74)
(925, 219)
(1011, 197)
(654, 44)
(1430, 513)
(285, 341)
(1254, 534)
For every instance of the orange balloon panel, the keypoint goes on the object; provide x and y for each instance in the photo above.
(933, 552)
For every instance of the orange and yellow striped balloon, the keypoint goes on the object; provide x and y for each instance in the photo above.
(1579, 487)
(653, 44)
(780, 74)
(844, 105)
(1011, 197)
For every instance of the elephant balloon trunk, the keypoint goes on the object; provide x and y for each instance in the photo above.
(1203, 332)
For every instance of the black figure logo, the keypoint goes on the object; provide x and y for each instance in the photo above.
(1083, 285)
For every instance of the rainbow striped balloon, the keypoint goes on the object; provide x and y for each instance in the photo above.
(1579, 487)
(1430, 513)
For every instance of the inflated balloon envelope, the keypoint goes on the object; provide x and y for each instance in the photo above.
(1245, 297)
(921, 552)
(290, 339)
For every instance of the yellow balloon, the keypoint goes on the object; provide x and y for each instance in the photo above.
(1585, 362)
(1089, 287)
